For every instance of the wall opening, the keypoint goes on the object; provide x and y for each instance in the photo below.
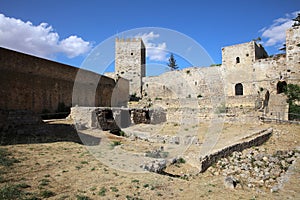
(237, 59)
(281, 87)
(238, 89)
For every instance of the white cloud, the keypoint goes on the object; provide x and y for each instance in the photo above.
(275, 34)
(74, 46)
(155, 52)
(38, 40)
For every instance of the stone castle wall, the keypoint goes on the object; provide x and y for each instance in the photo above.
(242, 80)
(32, 83)
(193, 82)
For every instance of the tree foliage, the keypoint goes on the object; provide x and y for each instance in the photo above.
(293, 94)
(172, 62)
(283, 48)
(297, 20)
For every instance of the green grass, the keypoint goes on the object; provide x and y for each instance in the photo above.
(23, 185)
(122, 133)
(82, 197)
(5, 158)
(135, 181)
(181, 160)
(78, 167)
(44, 182)
(102, 192)
(114, 189)
(47, 193)
(11, 192)
(115, 143)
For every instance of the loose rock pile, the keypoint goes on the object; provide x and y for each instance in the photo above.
(156, 166)
(255, 168)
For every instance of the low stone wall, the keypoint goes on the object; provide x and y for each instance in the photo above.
(108, 118)
(253, 140)
(11, 120)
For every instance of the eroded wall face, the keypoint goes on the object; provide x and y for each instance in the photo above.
(187, 83)
(293, 54)
(237, 62)
(40, 85)
(130, 62)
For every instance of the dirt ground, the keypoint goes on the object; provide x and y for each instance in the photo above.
(68, 170)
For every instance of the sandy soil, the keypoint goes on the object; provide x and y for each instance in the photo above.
(68, 170)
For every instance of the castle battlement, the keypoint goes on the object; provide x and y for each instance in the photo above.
(128, 39)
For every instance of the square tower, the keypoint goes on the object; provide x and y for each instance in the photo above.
(293, 51)
(242, 55)
(238, 61)
(130, 60)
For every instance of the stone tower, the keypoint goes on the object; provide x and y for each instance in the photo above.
(130, 62)
(237, 61)
(293, 54)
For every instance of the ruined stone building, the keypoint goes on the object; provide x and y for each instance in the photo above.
(246, 74)
(245, 78)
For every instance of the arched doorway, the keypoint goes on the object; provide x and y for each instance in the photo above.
(238, 89)
(281, 87)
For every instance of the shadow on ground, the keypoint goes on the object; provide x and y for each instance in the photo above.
(46, 133)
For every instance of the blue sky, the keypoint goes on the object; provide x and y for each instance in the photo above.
(67, 31)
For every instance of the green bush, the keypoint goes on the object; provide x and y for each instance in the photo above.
(294, 112)
(293, 95)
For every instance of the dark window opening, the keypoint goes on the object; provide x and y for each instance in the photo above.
(281, 87)
(247, 54)
(288, 70)
(237, 59)
(108, 114)
(131, 54)
(239, 89)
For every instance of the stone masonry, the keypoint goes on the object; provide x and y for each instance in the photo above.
(130, 62)
(40, 85)
(246, 71)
